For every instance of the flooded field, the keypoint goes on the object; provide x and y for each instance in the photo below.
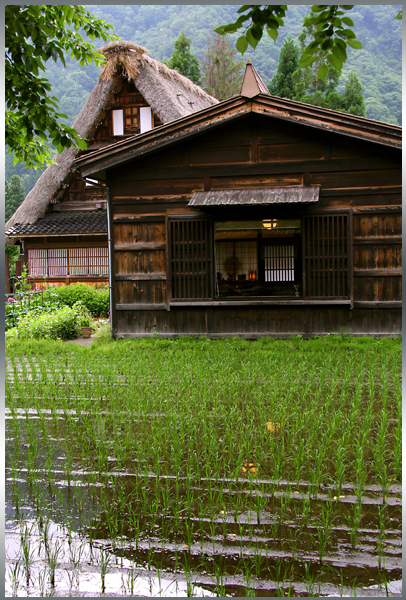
(204, 469)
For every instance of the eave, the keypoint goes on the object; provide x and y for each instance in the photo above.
(97, 162)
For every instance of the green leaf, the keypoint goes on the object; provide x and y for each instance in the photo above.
(82, 144)
(399, 15)
(244, 8)
(339, 53)
(306, 60)
(273, 33)
(354, 43)
(251, 40)
(241, 44)
(322, 72)
(349, 33)
(257, 31)
(336, 62)
(348, 21)
(327, 44)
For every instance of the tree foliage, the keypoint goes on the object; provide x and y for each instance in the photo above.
(304, 84)
(353, 98)
(14, 196)
(183, 61)
(222, 74)
(332, 33)
(35, 34)
(309, 87)
(282, 84)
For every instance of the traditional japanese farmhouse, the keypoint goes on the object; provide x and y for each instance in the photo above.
(62, 223)
(254, 216)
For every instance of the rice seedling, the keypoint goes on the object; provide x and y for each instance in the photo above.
(311, 584)
(26, 550)
(145, 441)
(15, 574)
(104, 558)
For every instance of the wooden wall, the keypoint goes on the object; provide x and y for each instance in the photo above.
(359, 178)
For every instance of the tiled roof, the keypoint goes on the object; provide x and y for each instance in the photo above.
(55, 223)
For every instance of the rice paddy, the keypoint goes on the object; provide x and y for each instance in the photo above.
(197, 467)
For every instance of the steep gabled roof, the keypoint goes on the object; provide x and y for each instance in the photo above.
(95, 163)
(170, 95)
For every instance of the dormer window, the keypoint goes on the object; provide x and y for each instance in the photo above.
(145, 118)
(118, 122)
(132, 120)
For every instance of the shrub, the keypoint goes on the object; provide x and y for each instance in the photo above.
(83, 315)
(95, 299)
(62, 324)
(102, 332)
(29, 303)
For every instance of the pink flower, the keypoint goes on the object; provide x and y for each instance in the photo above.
(10, 300)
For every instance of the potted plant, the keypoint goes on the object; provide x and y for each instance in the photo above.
(83, 318)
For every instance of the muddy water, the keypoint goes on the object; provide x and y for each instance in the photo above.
(252, 537)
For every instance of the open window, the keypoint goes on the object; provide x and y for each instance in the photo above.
(303, 258)
(258, 258)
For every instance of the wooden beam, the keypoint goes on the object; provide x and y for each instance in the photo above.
(141, 277)
(140, 219)
(247, 302)
(377, 210)
(378, 304)
(135, 247)
(141, 307)
(377, 272)
(51, 244)
(378, 240)
(253, 336)
(363, 191)
(150, 199)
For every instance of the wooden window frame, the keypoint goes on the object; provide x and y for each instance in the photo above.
(349, 297)
(209, 260)
(265, 300)
(60, 247)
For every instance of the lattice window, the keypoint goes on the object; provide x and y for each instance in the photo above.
(38, 263)
(98, 261)
(279, 263)
(191, 256)
(325, 252)
(57, 261)
(53, 262)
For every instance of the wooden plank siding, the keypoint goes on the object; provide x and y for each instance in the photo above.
(139, 264)
(360, 200)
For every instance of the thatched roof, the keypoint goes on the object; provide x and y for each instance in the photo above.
(170, 95)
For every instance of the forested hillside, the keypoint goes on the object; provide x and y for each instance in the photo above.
(378, 65)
